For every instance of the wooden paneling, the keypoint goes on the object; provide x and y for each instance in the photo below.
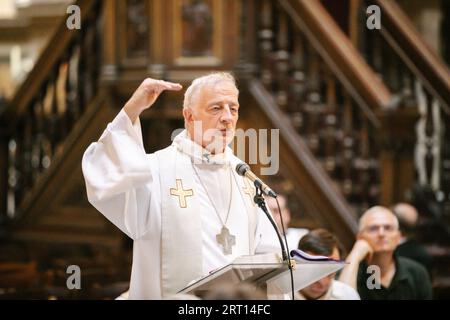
(397, 142)
(133, 30)
(46, 236)
(161, 32)
(4, 176)
(109, 42)
(221, 17)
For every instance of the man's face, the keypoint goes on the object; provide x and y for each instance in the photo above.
(319, 288)
(380, 230)
(211, 122)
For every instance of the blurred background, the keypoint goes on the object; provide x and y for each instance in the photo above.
(364, 117)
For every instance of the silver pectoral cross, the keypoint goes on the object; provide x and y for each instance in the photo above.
(226, 239)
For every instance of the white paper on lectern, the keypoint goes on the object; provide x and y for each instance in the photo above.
(278, 277)
(305, 273)
(241, 269)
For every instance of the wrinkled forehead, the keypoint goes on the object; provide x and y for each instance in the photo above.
(377, 218)
(219, 89)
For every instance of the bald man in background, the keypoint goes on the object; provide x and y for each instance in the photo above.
(409, 247)
(373, 269)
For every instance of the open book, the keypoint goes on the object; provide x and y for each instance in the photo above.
(307, 270)
(272, 257)
(302, 256)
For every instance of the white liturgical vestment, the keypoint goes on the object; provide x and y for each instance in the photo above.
(172, 203)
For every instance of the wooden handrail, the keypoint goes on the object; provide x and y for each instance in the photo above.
(400, 32)
(49, 102)
(340, 54)
(89, 124)
(54, 51)
(316, 185)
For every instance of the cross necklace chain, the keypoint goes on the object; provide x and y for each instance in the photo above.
(224, 238)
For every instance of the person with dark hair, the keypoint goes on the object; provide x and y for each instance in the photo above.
(323, 243)
(407, 217)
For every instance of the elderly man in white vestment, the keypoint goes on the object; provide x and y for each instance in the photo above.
(185, 207)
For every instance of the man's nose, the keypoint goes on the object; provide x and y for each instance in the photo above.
(381, 231)
(226, 114)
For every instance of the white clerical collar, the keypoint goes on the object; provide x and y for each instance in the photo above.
(199, 154)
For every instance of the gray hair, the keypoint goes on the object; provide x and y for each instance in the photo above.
(375, 209)
(208, 80)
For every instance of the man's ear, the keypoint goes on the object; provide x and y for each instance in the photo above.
(187, 114)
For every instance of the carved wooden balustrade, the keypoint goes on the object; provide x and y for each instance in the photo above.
(342, 124)
(420, 82)
(327, 109)
(49, 103)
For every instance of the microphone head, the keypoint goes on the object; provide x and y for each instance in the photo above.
(242, 168)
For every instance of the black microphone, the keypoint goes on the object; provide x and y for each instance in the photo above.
(243, 169)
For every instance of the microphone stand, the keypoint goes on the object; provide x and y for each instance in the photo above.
(259, 200)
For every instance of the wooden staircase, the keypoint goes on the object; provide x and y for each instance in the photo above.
(56, 113)
(420, 83)
(323, 98)
(346, 125)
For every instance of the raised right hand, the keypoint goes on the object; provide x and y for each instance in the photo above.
(146, 94)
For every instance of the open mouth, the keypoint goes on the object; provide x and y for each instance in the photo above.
(225, 132)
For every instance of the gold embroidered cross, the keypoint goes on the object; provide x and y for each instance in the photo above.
(181, 193)
(249, 190)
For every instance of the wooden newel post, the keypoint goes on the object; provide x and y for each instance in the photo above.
(3, 174)
(109, 46)
(397, 144)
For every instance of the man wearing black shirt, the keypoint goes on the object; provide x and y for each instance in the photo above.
(373, 269)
